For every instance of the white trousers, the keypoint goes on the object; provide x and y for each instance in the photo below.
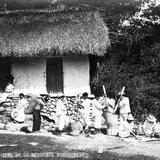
(122, 120)
(87, 120)
(61, 122)
(97, 123)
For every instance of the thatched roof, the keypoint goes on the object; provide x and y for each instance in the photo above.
(46, 33)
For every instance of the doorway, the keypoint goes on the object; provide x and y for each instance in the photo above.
(54, 73)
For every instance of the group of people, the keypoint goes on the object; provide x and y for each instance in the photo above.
(29, 104)
(92, 109)
(35, 105)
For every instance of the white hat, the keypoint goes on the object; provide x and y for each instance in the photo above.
(120, 93)
(91, 96)
(151, 118)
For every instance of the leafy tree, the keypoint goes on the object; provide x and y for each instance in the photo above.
(134, 57)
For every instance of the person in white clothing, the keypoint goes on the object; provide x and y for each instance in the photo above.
(97, 113)
(18, 113)
(108, 102)
(61, 110)
(124, 108)
(127, 127)
(86, 111)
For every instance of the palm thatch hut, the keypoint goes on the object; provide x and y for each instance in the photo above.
(48, 52)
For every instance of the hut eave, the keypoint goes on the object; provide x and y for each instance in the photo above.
(52, 34)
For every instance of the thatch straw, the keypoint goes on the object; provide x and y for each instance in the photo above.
(38, 33)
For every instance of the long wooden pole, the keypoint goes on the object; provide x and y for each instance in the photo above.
(121, 93)
(104, 91)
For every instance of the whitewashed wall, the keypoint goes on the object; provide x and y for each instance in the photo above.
(29, 75)
(76, 75)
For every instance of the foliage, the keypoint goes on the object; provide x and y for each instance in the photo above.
(133, 60)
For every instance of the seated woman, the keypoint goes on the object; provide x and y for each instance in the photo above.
(18, 113)
(126, 128)
(149, 126)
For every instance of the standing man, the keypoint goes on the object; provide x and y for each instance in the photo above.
(86, 103)
(36, 114)
(97, 113)
(61, 110)
(124, 106)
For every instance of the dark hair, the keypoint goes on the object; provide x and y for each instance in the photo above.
(21, 95)
(129, 121)
(85, 94)
(110, 95)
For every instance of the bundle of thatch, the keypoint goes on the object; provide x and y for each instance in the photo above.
(47, 33)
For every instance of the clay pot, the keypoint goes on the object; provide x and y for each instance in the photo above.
(75, 128)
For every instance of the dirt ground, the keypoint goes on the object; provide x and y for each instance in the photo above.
(124, 146)
(95, 143)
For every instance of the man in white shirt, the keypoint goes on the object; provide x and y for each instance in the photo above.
(86, 110)
(97, 113)
(61, 110)
(124, 106)
(124, 109)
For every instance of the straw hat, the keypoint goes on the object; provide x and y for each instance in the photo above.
(130, 117)
(151, 118)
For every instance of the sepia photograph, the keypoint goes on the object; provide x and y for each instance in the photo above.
(79, 79)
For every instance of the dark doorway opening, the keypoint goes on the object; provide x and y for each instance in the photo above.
(54, 75)
(5, 73)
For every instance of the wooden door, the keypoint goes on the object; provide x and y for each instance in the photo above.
(54, 75)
